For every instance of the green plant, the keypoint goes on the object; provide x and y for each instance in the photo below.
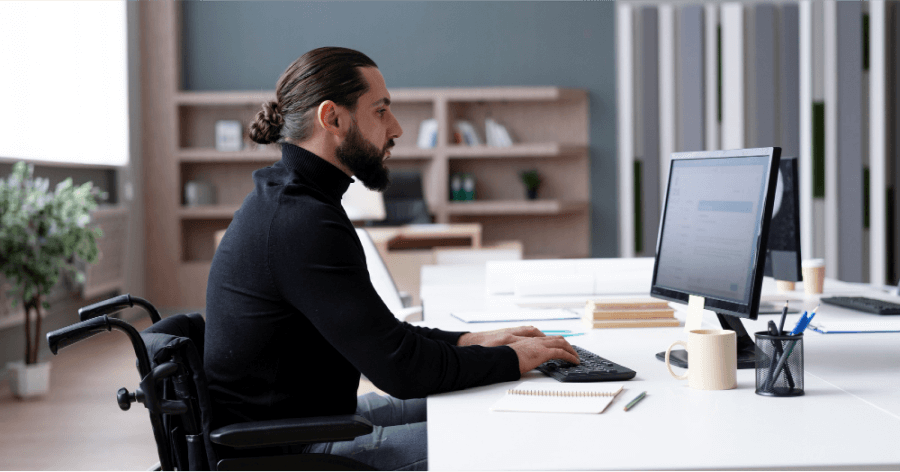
(41, 235)
(531, 179)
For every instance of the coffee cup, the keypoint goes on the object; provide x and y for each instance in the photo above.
(784, 286)
(712, 359)
(813, 276)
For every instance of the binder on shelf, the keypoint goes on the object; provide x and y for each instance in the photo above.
(539, 396)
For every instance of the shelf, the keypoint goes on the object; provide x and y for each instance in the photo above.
(411, 153)
(490, 94)
(515, 151)
(207, 212)
(273, 153)
(514, 207)
(423, 95)
(253, 97)
(195, 155)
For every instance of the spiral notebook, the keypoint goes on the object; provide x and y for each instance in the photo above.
(543, 397)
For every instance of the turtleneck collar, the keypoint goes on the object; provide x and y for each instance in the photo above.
(320, 172)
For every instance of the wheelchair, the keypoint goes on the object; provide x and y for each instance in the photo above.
(173, 389)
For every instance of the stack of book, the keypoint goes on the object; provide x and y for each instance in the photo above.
(628, 313)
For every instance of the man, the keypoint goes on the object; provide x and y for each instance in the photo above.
(292, 317)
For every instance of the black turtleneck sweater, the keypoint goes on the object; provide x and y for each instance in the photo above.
(292, 317)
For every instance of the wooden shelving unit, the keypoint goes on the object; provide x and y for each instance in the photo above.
(549, 126)
(515, 207)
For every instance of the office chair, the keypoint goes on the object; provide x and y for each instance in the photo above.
(384, 283)
(173, 388)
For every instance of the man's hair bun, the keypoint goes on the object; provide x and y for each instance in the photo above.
(266, 128)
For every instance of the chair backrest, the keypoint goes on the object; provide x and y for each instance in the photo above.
(379, 274)
(178, 340)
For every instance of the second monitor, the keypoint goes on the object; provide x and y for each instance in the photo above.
(713, 234)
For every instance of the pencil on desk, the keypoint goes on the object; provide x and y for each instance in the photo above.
(635, 401)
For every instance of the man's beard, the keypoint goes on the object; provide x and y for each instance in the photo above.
(364, 160)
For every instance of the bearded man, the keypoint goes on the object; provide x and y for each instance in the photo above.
(292, 317)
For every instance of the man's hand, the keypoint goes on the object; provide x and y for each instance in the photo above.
(533, 352)
(499, 337)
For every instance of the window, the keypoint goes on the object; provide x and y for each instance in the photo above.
(64, 82)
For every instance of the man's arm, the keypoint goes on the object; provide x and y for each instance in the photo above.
(319, 268)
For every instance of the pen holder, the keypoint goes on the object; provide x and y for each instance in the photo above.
(779, 365)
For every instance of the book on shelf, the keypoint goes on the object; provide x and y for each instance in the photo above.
(540, 396)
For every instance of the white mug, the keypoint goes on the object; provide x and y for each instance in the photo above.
(712, 359)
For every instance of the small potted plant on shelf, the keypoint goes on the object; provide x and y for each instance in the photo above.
(42, 232)
(532, 181)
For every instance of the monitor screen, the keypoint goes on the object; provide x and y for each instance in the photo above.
(712, 236)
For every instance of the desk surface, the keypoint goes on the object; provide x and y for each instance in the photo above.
(849, 416)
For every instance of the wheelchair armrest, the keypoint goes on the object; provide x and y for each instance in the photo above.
(291, 431)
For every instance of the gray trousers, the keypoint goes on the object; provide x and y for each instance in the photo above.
(399, 440)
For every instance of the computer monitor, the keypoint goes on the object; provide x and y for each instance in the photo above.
(783, 251)
(712, 236)
(404, 201)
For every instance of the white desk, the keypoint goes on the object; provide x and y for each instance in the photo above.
(849, 416)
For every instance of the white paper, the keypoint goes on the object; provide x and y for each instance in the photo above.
(694, 317)
(517, 315)
(855, 326)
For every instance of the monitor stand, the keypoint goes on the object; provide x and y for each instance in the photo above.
(746, 348)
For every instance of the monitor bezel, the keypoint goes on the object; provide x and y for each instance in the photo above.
(719, 305)
(792, 164)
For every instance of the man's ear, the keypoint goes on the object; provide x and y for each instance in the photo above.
(326, 115)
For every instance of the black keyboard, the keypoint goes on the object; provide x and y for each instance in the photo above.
(593, 368)
(869, 305)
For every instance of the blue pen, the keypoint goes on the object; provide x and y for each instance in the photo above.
(572, 334)
(551, 331)
(798, 328)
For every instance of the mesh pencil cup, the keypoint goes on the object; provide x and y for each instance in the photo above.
(779, 365)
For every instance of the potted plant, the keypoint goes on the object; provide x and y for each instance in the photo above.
(42, 232)
(532, 181)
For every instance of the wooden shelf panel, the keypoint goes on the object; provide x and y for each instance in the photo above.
(516, 151)
(515, 207)
(273, 154)
(251, 97)
(496, 94)
(270, 154)
(400, 95)
(207, 212)
(413, 153)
